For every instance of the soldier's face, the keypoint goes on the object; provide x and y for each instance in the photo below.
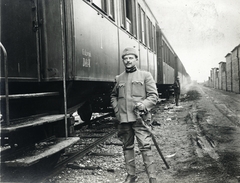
(130, 61)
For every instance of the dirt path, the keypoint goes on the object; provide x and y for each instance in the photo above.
(200, 143)
(200, 140)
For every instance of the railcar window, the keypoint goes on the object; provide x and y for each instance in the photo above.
(147, 32)
(150, 34)
(165, 51)
(171, 58)
(154, 38)
(106, 6)
(134, 18)
(168, 56)
(111, 9)
(139, 23)
(101, 4)
(123, 11)
(128, 16)
(143, 26)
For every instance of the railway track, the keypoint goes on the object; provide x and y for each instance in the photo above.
(91, 135)
(226, 104)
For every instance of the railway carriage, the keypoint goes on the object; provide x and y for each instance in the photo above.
(60, 56)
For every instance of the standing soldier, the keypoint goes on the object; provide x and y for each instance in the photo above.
(177, 88)
(134, 89)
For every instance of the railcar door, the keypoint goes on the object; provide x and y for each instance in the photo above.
(18, 34)
(52, 31)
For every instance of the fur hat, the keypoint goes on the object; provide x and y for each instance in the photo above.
(129, 51)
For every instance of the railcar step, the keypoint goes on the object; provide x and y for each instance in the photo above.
(29, 95)
(42, 152)
(32, 122)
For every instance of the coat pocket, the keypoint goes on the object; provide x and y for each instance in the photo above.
(121, 90)
(138, 89)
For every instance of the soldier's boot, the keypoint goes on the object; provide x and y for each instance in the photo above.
(149, 165)
(176, 102)
(130, 166)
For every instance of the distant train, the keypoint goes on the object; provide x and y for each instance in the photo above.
(62, 56)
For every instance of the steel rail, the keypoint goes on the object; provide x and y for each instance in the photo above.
(61, 165)
(87, 149)
(78, 126)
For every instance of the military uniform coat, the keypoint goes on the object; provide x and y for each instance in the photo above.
(131, 88)
(177, 87)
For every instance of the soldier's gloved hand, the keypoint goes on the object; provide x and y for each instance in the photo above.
(148, 123)
(140, 106)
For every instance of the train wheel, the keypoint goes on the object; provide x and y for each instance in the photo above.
(85, 111)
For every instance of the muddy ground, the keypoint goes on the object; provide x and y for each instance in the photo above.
(204, 141)
(200, 140)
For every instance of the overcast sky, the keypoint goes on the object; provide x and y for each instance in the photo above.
(201, 32)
